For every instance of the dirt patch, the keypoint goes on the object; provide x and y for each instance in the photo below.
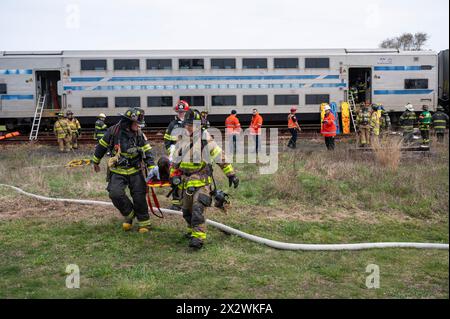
(18, 207)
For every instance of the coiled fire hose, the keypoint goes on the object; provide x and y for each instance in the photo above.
(257, 239)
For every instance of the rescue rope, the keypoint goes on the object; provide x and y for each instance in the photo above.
(257, 239)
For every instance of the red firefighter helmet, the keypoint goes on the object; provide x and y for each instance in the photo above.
(181, 106)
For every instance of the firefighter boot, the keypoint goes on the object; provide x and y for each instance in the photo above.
(195, 243)
(128, 222)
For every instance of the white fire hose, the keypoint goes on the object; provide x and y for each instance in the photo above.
(257, 239)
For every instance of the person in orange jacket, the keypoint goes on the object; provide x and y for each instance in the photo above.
(233, 128)
(328, 128)
(255, 128)
(293, 127)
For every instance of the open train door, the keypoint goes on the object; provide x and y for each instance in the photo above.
(47, 84)
(360, 81)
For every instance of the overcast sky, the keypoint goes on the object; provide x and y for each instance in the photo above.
(216, 24)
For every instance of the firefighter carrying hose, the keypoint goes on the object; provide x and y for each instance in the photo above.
(131, 157)
(192, 174)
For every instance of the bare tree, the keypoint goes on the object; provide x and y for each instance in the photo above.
(390, 43)
(406, 41)
(420, 38)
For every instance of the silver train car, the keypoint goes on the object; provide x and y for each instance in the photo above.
(93, 82)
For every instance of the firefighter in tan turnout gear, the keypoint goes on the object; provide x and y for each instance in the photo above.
(192, 174)
(75, 129)
(63, 133)
(131, 157)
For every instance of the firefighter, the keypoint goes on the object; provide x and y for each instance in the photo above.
(328, 128)
(100, 127)
(293, 127)
(233, 129)
(195, 175)
(131, 157)
(204, 120)
(362, 87)
(440, 120)
(354, 92)
(424, 125)
(170, 140)
(362, 122)
(374, 121)
(75, 128)
(255, 128)
(407, 121)
(385, 122)
(63, 133)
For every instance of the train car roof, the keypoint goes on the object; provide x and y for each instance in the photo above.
(221, 53)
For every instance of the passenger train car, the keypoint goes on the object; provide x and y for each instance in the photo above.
(93, 82)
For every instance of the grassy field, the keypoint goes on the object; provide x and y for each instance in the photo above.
(315, 197)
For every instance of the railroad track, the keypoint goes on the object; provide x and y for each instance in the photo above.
(156, 135)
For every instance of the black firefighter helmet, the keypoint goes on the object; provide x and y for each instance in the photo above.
(135, 114)
(191, 116)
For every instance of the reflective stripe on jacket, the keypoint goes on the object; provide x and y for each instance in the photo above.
(255, 125)
(440, 120)
(232, 125)
(407, 121)
(62, 128)
(328, 125)
(292, 121)
(74, 125)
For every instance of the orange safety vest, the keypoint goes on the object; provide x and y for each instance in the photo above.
(328, 126)
(232, 125)
(292, 121)
(255, 125)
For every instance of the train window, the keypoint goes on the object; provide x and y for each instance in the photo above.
(285, 63)
(186, 64)
(426, 67)
(128, 101)
(290, 99)
(159, 64)
(165, 101)
(255, 100)
(3, 89)
(94, 102)
(317, 63)
(416, 84)
(254, 63)
(316, 99)
(223, 63)
(194, 100)
(126, 64)
(223, 100)
(93, 65)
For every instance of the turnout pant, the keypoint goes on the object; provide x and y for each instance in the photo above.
(293, 140)
(364, 135)
(64, 144)
(408, 136)
(138, 188)
(75, 141)
(329, 142)
(425, 136)
(440, 136)
(195, 201)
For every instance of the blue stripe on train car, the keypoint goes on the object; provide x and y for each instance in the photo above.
(401, 92)
(16, 97)
(202, 78)
(398, 68)
(16, 72)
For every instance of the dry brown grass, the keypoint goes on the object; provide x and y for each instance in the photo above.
(387, 151)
